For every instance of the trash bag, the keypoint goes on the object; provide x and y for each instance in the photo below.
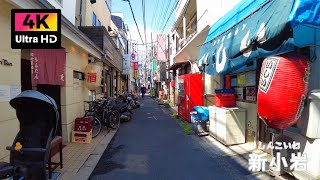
(202, 112)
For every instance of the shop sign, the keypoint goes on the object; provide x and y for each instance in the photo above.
(136, 73)
(5, 62)
(126, 64)
(48, 66)
(267, 74)
(92, 77)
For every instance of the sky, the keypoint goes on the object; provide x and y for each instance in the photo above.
(155, 20)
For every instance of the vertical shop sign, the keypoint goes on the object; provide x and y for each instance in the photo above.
(154, 65)
(136, 73)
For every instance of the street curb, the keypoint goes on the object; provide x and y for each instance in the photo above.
(89, 165)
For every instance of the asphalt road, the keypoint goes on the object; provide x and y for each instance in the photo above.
(153, 147)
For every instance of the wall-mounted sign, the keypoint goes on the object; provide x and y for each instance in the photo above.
(126, 64)
(136, 73)
(5, 62)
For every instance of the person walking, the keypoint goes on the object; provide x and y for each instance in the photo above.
(143, 90)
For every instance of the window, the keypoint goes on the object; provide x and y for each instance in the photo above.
(99, 23)
(94, 19)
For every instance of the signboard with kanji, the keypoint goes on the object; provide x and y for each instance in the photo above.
(136, 73)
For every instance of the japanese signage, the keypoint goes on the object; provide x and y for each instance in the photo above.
(268, 71)
(91, 77)
(93, 74)
(135, 65)
(154, 65)
(126, 64)
(136, 73)
(48, 66)
(35, 28)
(161, 47)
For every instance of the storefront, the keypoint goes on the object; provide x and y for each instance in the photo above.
(34, 69)
(237, 44)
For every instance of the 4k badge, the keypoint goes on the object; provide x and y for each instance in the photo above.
(35, 28)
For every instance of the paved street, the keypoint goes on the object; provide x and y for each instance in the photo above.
(153, 146)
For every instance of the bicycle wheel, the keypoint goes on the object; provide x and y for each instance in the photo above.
(114, 120)
(96, 126)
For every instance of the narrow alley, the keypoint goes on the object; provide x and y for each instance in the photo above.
(152, 146)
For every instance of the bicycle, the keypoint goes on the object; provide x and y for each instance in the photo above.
(103, 114)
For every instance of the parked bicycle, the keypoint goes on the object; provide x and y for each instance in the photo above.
(102, 114)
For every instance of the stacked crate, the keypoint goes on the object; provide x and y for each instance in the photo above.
(82, 132)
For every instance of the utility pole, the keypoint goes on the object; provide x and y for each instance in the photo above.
(152, 56)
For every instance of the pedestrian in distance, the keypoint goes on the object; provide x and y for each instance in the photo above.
(143, 90)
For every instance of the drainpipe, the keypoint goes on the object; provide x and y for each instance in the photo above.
(80, 13)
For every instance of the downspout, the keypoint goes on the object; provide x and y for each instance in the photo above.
(80, 13)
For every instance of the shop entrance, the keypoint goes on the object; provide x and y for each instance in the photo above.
(26, 83)
(54, 92)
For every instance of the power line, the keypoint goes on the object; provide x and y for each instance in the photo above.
(165, 14)
(144, 22)
(135, 20)
(160, 15)
(174, 7)
(152, 21)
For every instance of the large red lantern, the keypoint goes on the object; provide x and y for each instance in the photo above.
(283, 88)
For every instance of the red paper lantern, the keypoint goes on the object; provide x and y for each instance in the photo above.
(283, 87)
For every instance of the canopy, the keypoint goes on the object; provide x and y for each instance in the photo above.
(256, 29)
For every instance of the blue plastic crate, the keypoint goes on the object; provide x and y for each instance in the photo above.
(225, 91)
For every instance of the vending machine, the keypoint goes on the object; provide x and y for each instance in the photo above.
(190, 94)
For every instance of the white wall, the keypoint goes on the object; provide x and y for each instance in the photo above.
(180, 7)
(68, 8)
(208, 12)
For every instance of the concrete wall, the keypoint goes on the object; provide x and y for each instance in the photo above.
(100, 8)
(72, 98)
(9, 75)
(251, 122)
(68, 8)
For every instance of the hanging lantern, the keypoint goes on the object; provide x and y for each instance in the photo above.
(93, 76)
(283, 88)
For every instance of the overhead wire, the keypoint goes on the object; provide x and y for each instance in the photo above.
(173, 8)
(134, 18)
(165, 14)
(154, 12)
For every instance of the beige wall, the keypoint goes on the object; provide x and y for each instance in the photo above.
(72, 105)
(100, 8)
(9, 75)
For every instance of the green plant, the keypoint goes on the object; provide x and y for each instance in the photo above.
(184, 125)
(186, 128)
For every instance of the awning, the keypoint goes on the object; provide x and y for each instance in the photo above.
(177, 65)
(256, 29)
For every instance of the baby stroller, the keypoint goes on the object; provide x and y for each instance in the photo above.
(29, 153)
